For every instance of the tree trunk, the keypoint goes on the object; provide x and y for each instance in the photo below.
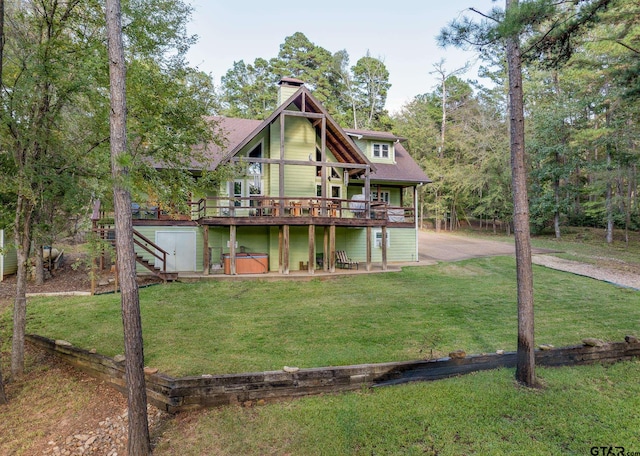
(443, 127)
(525, 367)
(22, 239)
(3, 397)
(556, 196)
(609, 200)
(38, 265)
(437, 212)
(139, 442)
(627, 210)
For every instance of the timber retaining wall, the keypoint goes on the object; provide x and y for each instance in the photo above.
(178, 394)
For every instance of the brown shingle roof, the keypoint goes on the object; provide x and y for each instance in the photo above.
(234, 131)
(370, 134)
(404, 170)
(237, 132)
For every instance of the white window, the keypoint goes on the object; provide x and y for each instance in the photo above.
(336, 191)
(383, 196)
(380, 150)
(377, 240)
(237, 192)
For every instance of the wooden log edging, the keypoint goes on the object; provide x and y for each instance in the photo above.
(179, 394)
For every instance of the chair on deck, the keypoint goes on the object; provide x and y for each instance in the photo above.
(343, 261)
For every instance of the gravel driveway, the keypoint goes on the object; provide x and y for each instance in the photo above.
(436, 247)
(452, 247)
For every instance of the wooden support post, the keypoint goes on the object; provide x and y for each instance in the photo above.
(281, 164)
(280, 248)
(101, 235)
(285, 249)
(384, 248)
(368, 267)
(415, 220)
(312, 250)
(206, 260)
(93, 276)
(232, 250)
(325, 251)
(332, 248)
(324, 172)
(367, 191)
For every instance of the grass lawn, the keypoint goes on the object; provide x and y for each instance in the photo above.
(223, 327)
(484, 413)
(587, 245)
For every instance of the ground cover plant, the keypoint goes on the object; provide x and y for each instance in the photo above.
(421, 312)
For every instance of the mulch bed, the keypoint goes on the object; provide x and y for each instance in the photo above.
(72, 275)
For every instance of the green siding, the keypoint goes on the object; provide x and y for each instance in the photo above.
(402, 244)
(366, 146)
(8, 257)
(394, 192)
(254, 239)
(273, 248)
(298, 246)
(300, 143)
(285, 92)
(351, 240)
(150, 233)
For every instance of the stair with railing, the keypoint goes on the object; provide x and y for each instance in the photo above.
(108, 234)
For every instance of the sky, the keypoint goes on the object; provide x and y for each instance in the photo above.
(401, 33)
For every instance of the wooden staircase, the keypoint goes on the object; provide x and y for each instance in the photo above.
(108, 234)
(158, 272)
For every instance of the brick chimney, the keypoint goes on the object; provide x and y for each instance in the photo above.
(288, 86)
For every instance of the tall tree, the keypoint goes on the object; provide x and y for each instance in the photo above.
(550, 27)
(441, 71)
(355, 96)
(371, 80)
(139, 441)
(506, 28)
(249, 91)
(3, 396)
(341, 63)
(525, 366)
(41, 81)
(53, 111)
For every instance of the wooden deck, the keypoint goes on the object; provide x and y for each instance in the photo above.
(263, 211)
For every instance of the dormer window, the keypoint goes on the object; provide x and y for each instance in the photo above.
(380, 150)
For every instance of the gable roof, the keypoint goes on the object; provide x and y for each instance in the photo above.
(404, 170)
(238, 133)
(370, 134)
(340, 144)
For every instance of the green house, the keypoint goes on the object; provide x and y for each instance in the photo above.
(309, 194)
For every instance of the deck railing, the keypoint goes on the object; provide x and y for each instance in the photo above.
(262, 206)
(108, 233)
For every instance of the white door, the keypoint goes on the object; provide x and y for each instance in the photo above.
(181, 250)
